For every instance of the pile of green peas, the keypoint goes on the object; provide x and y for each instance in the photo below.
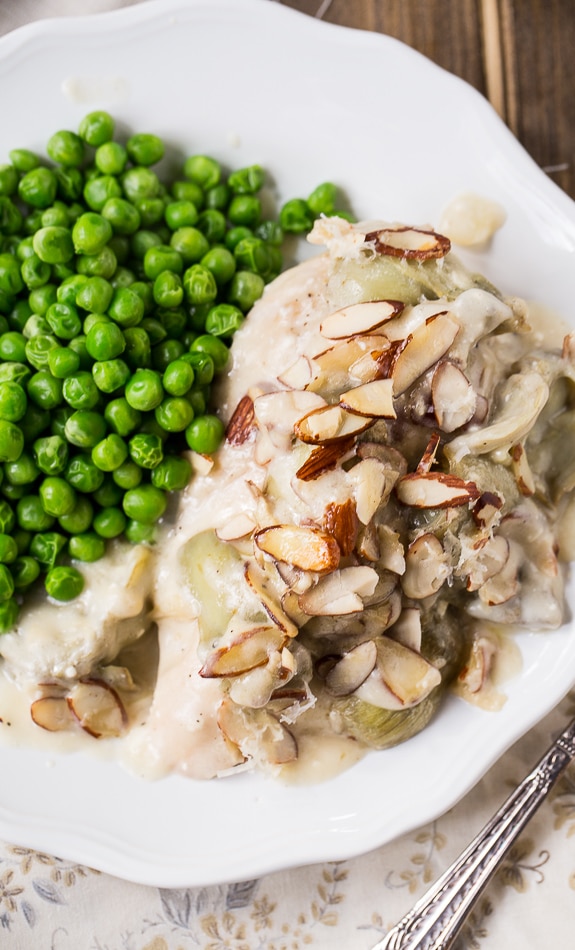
(119, 296)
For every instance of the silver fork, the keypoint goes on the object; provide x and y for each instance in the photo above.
(435, 921)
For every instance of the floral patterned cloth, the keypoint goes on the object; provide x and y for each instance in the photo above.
(50, 904)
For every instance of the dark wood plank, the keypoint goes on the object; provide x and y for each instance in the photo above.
(518, 53)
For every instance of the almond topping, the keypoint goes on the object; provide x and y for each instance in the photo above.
(330, 424)
(298, 375)
(410, 243)
(454, 398)
(426, 567)
(435, 490)
(263, 590)
(373, 399)
(240, 526)
(249, 649)
(323, 458)
(242, 423)
(305, 547)
(370, 481)
(359, 318)
(52, 713)
(422, 349)
(341, 521)
(341, 592)
(401, 677)
(97, 708)
(352, 670)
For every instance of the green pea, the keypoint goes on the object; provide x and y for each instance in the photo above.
(109, 494)
(13, 372)
(64, 583)
(172, 474)
(199, 285)
(296, 216)
(180, 214)
(11, 441)
(31, 514)
(98, 191)
(86, 547)
(139, 533)
(253, 254)
(190, 244)
(223, 320)
(85, 428)
(214, 348)
(80, 391)
(145, 149)
(246, 181)
(322, 199)
(11, 219)
(127, 307)
(110, 523)
(8, 179)
(63, 362)
(36, 325)
(202, 364)
(144, 391)
(64, 320)
(162, 258)
(78, 345)
(96, 128)
(44, 389)
(174, 414)
(58, 420)
(13, 401)
(23, 471)
(139, 183)
(13, 492)
(110, 375)
(110, 452)
(203, 170)
(41, 298)
(57, 495)
(70, 186)
(6, 583)
(245, 210)
(66, 148)
(145, 504)
(102, 264)
(174, 320)
(204, 435)
(245, 289)
(138, 350)
(121, 417)
(212, 223)
(127, 475)
(51, 454)
(155, 330)
(38, 187)
(105, 341)
(68, 289)
(188, 191)
(146, 450)
(80, 518)
(111, 158)
(46, 546)
(142, 241)
(178, 377)
(235, 235)
(23, 160)
(53, 245)
(18, 316)
(7, 518)
(83, 474)
(218, 197)
(222, 264)
(25, 570)
(122, 215)
(8, 549)
(92, 319)
(95, 295)
(91, 233)
(10, 277)
(33, 422)
(168, 290)
(165, 353)
(198, 399)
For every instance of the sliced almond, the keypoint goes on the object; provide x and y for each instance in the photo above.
(340, 592)
(489, 560)
(454, 398)
(503, 585)
(323, 458)
(475, 673)
(426, 567)
(374, 364)
(428, 457)
(240, 526)
(308, 548)
(392, 553)
(242, 422)
(331, 369)
(369, 479)
(298, 375)
(522, 470)
(52, 713)
(330, 424)
(423, 349)
(359, 318)
(374, 399)
(249, 649)
(281, 410)
(352, 670)
(407, 629)
(263, 589)
(201, 464)
(367, 545)
(409, 243)
(258, 731)
(408, 676)
(341, 521)
(486, 511)
(97, 708)
(435, 490)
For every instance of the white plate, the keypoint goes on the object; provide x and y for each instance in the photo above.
(250, 81)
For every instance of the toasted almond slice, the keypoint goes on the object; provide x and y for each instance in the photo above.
(422, 349)
(503, 585)
(240, 526)
(305, 547)
(369, 480)
(330, 424)
(475, 673)
(298, 375)
(352, 670)
(426, 567)
(454, 398)
(98, 708)
(392, 554)
(367, 545)
(359, 318)
(201, 464)
(331, 368)
(323, 458)
(282, 409)
(409, 243)
(264, 450)
(435, 490)
(242, 423)
(428, 457)
(52, 713)
(248, 649)
(406, 673)
(291, 606)
(374, 399)
(340, 520)
(341, 592)
(486, 511)
(407, 629)
(489, 560)
(262, 588)
(374, 364)
(522, 470)
(258, 732)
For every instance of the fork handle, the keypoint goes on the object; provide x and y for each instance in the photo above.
(434, 922)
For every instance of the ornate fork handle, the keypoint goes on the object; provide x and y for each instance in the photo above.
(434, 922)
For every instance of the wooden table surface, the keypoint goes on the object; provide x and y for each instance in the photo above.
(518, 53)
